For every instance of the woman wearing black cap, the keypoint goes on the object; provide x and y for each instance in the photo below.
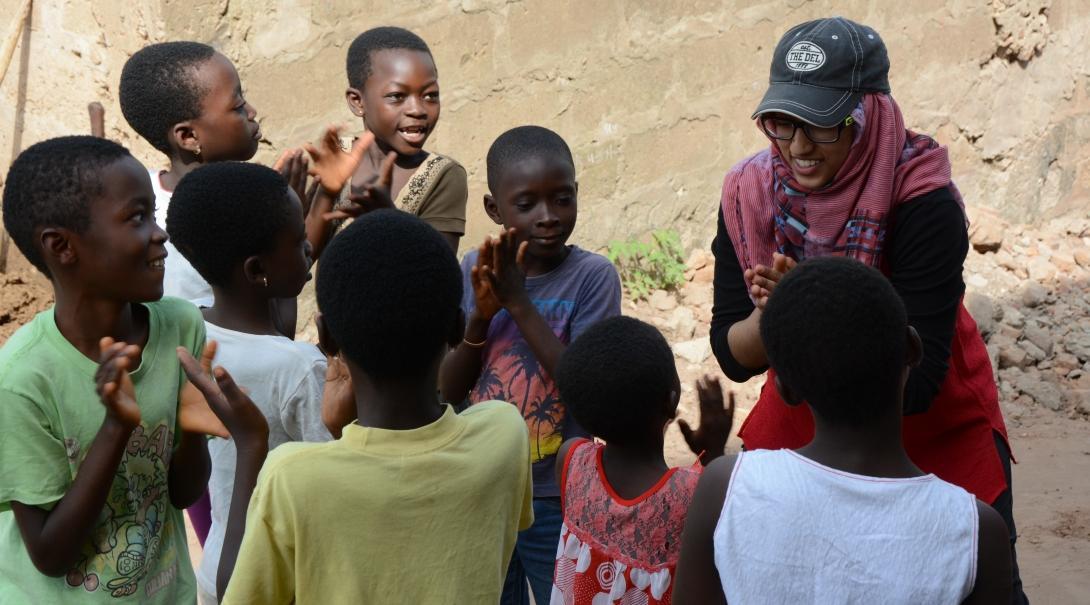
(843, 176)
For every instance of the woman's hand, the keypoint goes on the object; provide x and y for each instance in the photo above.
(763, 279)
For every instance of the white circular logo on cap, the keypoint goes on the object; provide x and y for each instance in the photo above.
(805, 56)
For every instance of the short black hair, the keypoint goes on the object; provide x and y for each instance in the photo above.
(390, 292)
(159, 89)
(615, 378)
(358, 62)
(225, 212)
(52, 184)
(524, 142)
(835, 333)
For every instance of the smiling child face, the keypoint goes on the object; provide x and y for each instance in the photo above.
(399, 102)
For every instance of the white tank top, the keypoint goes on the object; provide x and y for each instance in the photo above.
(794, 531)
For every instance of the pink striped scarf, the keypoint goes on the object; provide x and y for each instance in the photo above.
(766, 211)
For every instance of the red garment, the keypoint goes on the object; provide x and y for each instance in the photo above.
(952, 439)
(614, 550)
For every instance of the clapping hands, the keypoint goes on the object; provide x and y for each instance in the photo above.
(763, 279)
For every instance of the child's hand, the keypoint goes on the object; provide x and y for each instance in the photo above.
(375, 195)
(331, 164)
(487, 305)
(764, 279)
(338, 396)
(244, 421)
(113, 384)
(710, 438)
(194, 413)
(292, 165)
(506, 276)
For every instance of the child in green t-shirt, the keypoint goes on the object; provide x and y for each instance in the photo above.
(100, 448)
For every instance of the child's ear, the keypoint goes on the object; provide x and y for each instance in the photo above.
(671, 410)
(325, 338)
(492, 209)
(786, 393)
(184, 138)
(914, 351)
(57, 245)
(355, 101)
(458, 330)
(253, 270)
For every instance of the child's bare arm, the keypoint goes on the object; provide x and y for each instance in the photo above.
(697, 578)
(508, 281)
(55, 537)
(332, 167)
(709, 440)
(462, 366)
(993, 576)
(250, 432)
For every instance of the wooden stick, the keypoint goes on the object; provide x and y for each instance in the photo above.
(16, 30)
(6, 51)
(98, 119)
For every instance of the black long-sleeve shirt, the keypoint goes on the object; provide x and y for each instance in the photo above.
(925, 251)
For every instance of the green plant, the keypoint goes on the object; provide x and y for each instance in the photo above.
(648, 266)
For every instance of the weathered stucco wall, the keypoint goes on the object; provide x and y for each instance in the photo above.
(654, 97)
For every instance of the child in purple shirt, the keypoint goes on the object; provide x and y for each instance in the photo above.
(528, 294)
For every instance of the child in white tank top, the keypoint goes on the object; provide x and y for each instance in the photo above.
(848, 518)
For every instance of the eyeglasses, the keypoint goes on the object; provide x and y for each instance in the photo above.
(783, 129)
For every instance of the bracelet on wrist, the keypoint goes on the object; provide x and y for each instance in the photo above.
(475, 345)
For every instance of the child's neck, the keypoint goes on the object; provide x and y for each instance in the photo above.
(376, 155)
(84, 321)
(396, 405)
(632, 469)
(179, 167)
(536, 266)
(242, 312)
(874, 451)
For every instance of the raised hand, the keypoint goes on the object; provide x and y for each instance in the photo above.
(375, 195)
(113, 384)
(716, 421)
(332, 165)
(506, 275)
(764, 278)
(194, 413)
(292, 165)
(487, 305)
(244, 421)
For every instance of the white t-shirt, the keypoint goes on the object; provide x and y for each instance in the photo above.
(285, 379)
(795, 531)
(181, 279)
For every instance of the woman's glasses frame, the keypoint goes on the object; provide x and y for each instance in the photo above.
(775, 125)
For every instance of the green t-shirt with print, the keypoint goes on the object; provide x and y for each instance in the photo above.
(49, 415)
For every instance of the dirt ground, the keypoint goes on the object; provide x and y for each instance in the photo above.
(1051, 479)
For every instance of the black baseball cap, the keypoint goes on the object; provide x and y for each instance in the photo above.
(821, 69)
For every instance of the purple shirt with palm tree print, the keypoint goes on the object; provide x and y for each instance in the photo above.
(581, 291)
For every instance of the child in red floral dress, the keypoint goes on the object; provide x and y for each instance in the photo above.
(624, 508)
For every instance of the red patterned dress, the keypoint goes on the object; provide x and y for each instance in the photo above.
(614, 550)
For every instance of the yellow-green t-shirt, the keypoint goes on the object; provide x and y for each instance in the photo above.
(427, 515)
(49, 415)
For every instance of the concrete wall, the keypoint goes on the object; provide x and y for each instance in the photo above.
(653, 96)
